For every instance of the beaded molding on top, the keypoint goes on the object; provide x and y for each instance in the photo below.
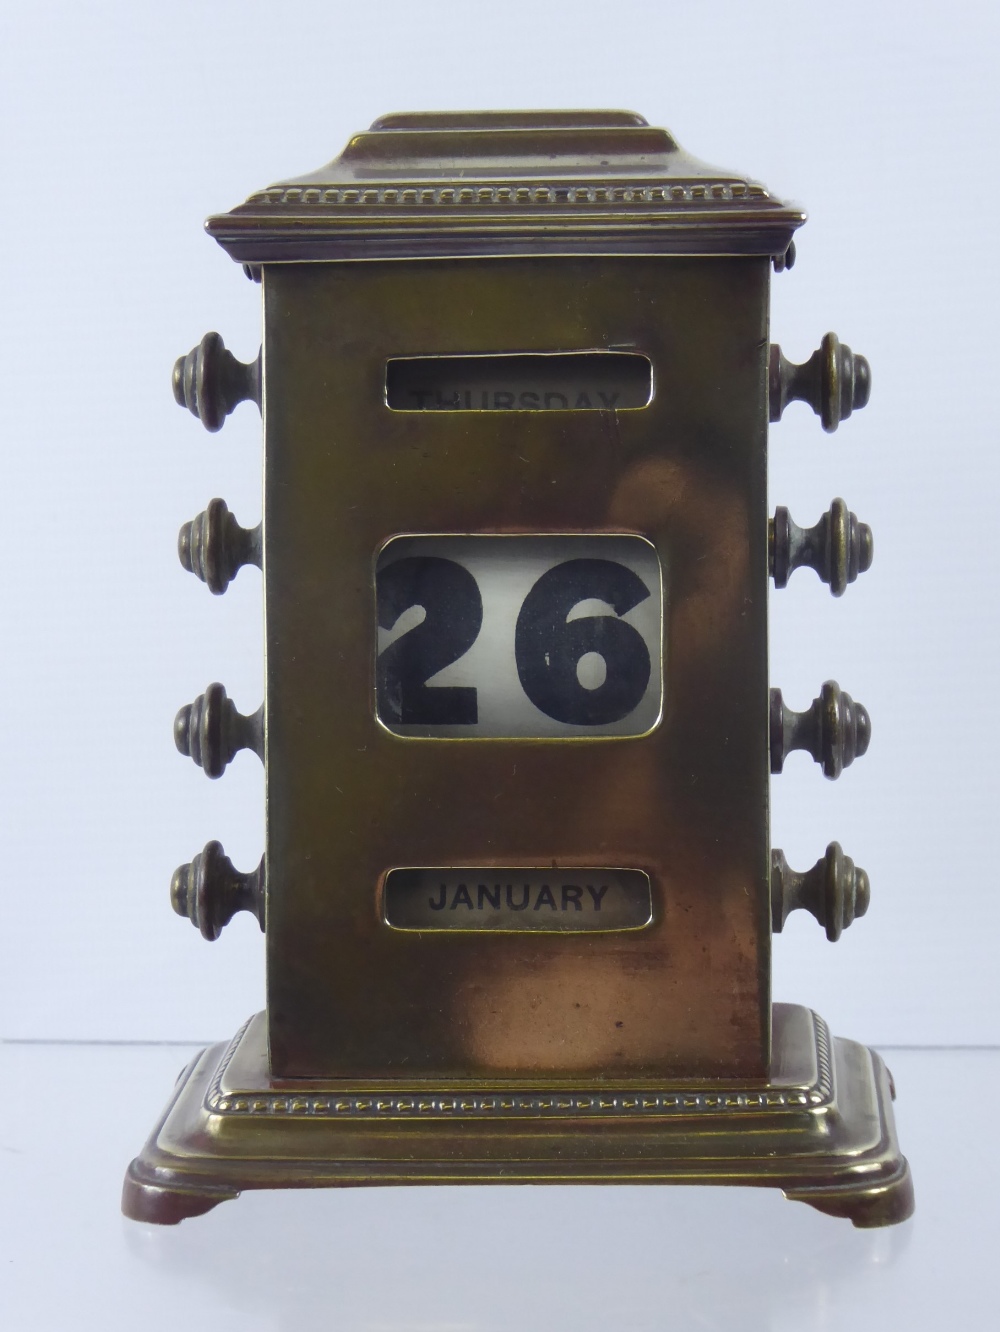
(531, 1105)
(413, 195)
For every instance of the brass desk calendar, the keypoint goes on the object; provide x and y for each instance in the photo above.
(517, 888)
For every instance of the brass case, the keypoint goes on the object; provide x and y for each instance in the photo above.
(347, 801)
(418, 1055)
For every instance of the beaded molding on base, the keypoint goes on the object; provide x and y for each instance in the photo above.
(484, 194)
(529, 1105)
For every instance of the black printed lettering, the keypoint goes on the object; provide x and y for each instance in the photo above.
(491, 895)
(517, 899)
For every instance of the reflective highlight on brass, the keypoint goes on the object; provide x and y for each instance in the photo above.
(518, 890)
(820, 1128)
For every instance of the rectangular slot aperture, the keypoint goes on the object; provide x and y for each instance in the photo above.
(565, 901)
(601, 381)
(504, 637)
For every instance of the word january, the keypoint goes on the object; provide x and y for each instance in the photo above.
(491, 897)
(507, 400)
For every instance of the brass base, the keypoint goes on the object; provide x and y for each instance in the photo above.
(821, 1129)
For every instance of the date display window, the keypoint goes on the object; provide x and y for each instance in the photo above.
(519, 636)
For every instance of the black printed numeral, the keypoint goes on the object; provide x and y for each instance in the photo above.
(549, 642)
(453, 616)
(548, 645)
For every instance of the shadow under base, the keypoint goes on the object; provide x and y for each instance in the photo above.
(820, 1128)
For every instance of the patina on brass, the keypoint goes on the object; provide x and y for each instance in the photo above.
(834, 730)
(416, 292)
(214, 547)
(211, 382)
(687, 803)
(212, 732)
(835, 891)
(834, 382)
(838, 547)
(210, 891)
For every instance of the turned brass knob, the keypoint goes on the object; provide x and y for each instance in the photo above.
(834, 730)
(212, 732)
(210, 381)
(214, 547)
(838, 547)
(835, 891)
(834, 382)
(210, 891)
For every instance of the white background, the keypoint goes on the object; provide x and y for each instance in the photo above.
(126, 123)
